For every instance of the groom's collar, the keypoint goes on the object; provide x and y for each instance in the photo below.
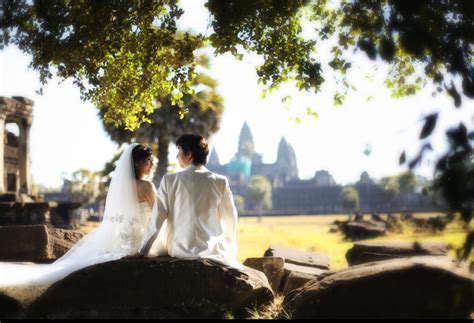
(194, 167)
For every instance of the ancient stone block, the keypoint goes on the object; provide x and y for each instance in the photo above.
(417, 287)
(363, 229)
(35, 243)
(296, 276)
(272, 267)
(363, 252)
(60, 241)
(299, 257)
(24, 243)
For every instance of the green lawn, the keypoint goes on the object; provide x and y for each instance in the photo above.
(311, 233)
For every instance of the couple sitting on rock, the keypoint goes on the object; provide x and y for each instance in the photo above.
(191, 215)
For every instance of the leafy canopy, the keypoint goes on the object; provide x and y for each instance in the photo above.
(123, 54)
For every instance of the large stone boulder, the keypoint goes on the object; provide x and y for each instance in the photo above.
(159, 287)
(363, 252)
(272, 267)
(299, 257)
(60, 240)
(24, 243)
(296, 276)
(36, 243)
(284, 276)
(417, 287)
(434, 224)
(363, 229)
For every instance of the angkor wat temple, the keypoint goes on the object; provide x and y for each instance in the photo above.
(292, 195)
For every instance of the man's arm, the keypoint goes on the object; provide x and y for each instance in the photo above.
(228, 214)
(159, 214)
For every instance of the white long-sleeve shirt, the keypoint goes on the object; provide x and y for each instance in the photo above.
(194, 216)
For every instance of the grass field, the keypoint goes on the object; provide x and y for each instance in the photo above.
(311, 233)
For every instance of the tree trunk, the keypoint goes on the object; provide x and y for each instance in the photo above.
(162, 169)
(260, 210)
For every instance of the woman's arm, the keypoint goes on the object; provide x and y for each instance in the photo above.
(151, 195)
(159, 214)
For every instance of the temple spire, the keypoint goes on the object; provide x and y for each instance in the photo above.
(246, 145)
(286, 159)
(213, 158)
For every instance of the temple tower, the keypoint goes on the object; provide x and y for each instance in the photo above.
(246, 144)
(286, 161)
(214, 158)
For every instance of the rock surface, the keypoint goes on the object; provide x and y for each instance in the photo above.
(36, 243)
(299, 257)
(416, 287)
(159, 287)
(24, 243)
(363, 252)
(61, 240)
(363, 229)
(296, 276)
(272, 267)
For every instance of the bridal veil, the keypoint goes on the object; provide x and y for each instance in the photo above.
(120, 234)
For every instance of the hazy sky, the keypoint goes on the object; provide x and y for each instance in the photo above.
(67, 135)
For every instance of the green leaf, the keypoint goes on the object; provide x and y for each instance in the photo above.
(311, 113)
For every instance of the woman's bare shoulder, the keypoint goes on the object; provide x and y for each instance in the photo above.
(146, 186)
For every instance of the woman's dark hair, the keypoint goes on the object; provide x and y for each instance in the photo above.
(196, 145)
(140, 153)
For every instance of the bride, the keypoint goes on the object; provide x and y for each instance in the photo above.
(128, 206)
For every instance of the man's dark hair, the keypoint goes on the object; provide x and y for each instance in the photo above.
(196, 145)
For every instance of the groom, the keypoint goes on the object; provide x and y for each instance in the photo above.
(198, 207)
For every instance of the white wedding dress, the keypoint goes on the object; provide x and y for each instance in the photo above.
(120, 234)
